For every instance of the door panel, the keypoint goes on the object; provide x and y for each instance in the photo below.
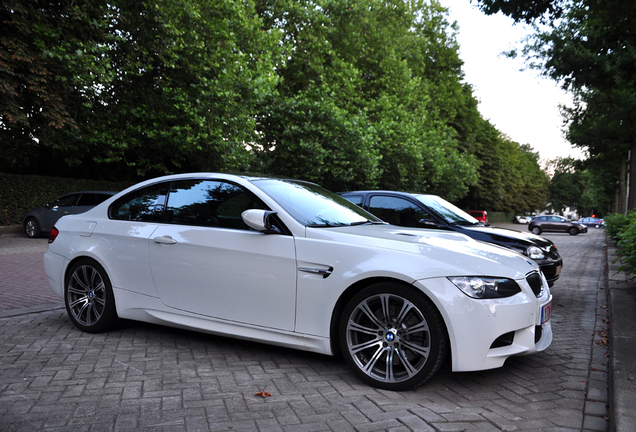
(237, 275)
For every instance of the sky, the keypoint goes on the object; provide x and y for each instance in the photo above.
(520, 103)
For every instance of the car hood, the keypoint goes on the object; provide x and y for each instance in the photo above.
(511, 234)
(452, 253)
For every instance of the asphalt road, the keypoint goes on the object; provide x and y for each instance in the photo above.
(150, 378)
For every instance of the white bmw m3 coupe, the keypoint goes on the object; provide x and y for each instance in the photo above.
(289, 263)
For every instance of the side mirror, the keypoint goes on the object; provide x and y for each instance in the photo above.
(260, 220)
(427, 224)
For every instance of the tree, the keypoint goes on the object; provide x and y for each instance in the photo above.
(524, 10)
(42, 46)
(378, 65)
(590, 47)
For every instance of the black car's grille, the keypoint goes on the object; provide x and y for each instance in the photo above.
(536, 283)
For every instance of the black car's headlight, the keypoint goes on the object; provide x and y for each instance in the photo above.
(535, 252)
(485, 287)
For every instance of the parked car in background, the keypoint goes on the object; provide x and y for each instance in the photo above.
(41, 220)
(592, 222)
(554, 223)
(430, 211)
(480, 215)
(522, 219)
(288, 263)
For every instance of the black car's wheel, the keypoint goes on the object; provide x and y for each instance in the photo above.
(32, 228)
(573, 231)
(392, 336)
(536, 230)
(88, 296)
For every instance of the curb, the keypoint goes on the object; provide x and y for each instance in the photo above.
(621, 295)
(15, 229)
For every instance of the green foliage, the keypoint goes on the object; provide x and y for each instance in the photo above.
(589, 46)
(616, 223)
(510, 179)
(19, 194)
(622, 229)
(357, 94)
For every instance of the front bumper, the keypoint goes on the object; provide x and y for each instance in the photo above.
(484, 333)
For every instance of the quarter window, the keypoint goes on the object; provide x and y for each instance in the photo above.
(142, 205)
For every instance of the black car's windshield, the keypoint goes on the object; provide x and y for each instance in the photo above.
(314, 206)
(447, 211)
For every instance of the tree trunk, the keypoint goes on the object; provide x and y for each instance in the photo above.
(622, 188)
(631, 201)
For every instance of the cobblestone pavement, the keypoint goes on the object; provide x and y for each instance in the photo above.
(143, 377)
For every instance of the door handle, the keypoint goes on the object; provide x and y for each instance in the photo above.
(167, 240)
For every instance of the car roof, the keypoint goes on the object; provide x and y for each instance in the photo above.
(365, 192)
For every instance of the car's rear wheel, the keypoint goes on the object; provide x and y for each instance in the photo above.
(573, 231)
(536, 230)
(32, 228)
(88, 296)
(392, 336)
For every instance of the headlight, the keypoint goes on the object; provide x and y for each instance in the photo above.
(485, 288)
(535, 252)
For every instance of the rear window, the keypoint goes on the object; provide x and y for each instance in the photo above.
(92, 199)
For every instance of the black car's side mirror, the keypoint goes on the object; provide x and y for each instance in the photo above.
(428, 224)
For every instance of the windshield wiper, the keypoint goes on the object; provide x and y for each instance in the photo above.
(340, 224)
(367, 222)
(326, 225)
(464, 223)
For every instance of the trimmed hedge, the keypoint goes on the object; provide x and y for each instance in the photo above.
(19, 193)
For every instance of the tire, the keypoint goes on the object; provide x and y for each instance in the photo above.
(536, 230)
(597, 226)
(389, 320)
(88, 296)
(573, 231)
(32, 228)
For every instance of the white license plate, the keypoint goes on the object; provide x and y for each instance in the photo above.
(546, 312)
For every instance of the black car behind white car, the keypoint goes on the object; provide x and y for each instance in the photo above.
(431, 211)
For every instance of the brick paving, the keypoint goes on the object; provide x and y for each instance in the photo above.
(143, 377)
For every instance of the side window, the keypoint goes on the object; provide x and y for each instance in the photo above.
(356, 199)
(398, 211)
(143, 205)
(91, 199)
(66, 201)
(209, 203)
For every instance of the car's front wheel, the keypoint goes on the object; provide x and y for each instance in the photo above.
(536, 230)
(573, 231)
(32, 228)
(392, 336)
(88, 296)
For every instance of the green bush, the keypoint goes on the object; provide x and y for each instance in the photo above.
(622, 230)
(615, 223)
(19, 194)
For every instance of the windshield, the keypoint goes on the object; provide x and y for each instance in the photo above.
(314, 206)
(447, 211)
